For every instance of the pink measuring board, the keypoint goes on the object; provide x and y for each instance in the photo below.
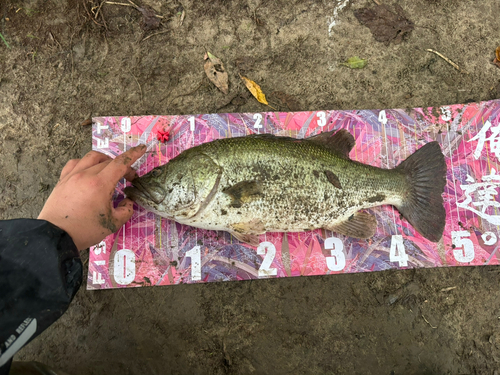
(150, 250)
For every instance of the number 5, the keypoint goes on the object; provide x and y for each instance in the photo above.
(464, 248)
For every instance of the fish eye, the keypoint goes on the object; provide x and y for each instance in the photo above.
(155, 172)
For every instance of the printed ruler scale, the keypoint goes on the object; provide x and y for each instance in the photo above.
(150, 250)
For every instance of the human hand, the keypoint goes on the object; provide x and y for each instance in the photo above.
(81, 205)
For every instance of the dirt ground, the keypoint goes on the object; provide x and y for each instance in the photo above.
(69, 60)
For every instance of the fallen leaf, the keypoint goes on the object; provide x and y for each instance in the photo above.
(149, 19)
(87, 122)
(385, 25)
(255, 90)
(496, 61)
(290, 101)
(216, 73)
(355, 63)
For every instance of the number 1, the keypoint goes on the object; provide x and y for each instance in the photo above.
(195, 256)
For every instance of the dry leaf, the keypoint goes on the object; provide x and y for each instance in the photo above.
(255, 90)
(149, 19)
(385, 25)
(216, 73)
(497, 57)
(290, 101)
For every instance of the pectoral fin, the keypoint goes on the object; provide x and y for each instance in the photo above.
(359, 225)
(244, 192)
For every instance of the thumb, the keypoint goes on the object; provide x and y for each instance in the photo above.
(124, 211)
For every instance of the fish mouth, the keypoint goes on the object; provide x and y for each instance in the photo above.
(138, 193)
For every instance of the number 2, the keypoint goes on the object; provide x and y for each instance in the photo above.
(337, 261)
(258, 118)
(195, 256)
(265, 269)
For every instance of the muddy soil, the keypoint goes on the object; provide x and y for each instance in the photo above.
(69, 60)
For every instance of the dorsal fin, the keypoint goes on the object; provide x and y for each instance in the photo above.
(341, 141)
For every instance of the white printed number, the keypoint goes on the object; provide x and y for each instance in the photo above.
(382, 117)
(265, 270)
(126, 124)
(321, 118)
(124, 267)
(397, 251)
(191, 124)
(258, 119)
(446, 113)
(464, 248)
(337, 261)
(195, 256)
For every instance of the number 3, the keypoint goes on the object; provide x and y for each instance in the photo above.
(321, 118)
(337, 261)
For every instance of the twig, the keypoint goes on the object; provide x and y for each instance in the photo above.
(138, 84)
(123, 4)
(129, 5)
(447, 60)
(428, 322)
(149, 36)
(7, 44)
(448, 289)
(377, 2)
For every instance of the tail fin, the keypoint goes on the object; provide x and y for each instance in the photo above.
(423, 205)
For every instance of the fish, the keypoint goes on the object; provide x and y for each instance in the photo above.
(262, 183)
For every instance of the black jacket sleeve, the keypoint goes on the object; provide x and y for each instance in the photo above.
(40, 273)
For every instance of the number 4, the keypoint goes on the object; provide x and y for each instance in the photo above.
(398, 246)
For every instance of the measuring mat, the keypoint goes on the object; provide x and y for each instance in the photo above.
(150, 250)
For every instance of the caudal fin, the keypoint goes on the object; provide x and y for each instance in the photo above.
(423, 205)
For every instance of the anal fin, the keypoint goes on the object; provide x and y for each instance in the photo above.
(359, 225)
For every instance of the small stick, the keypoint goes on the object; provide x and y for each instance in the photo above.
(138, 84)
(377, 2)
(149, 36)
(129, 5)
(428, 322)
(447, 60)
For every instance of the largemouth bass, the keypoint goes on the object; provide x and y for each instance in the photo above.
(264, 183)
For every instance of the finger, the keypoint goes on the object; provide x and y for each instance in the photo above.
(70, 165)
(98, 167)
(119, 167)
(89, 160)
(123, 212)
(129, 175)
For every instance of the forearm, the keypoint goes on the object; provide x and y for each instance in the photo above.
(40, 272)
